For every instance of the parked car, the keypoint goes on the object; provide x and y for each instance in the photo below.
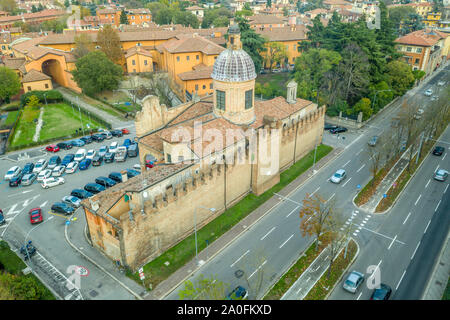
(97, 160)
(437, 151)
(58, 171)
(28, 168)
(120, 154)
(353, 281)
(80, 155)
(102, 151)
(51, 182)
(132, 173)
(35, 215)
(373, 141)
(12, 172)
(113, 147)
(441, 175)
(81, 194)
(429, 92)
(98, 137)
(72, 167)
(52, 148)
(338, 130)
(382, 293)
(68, 159)
(64, 145)
(84, 164)
(14, 182)
(133, 150)
(90, 154)
(107, 135)
(239, 293)
(116, 176)
(40, 165)
(150, 161)
(109, 157)
(126, 143)
(61, 207)
(72, 201)
(328, 126)
(338, 176)
(44, 174)
(125, 131)
(28, 179)
(86, 139)
(77, 143)
(54, 162)
(2, 218)
(106, 182)
(116, 133)
(94, 188)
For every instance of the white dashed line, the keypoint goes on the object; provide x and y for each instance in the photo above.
(415, 250)
(267, 233)
(315, 191)
(346, 163)
(398, 284)
(437, 167)
(427, 226)
(331, 197)
(393, 240)
(292, 212)
(444, 156)
(346, 182)
(418, 200)
(437, 206)
(360, 168)
(257, 269)
(446, 189)
(286, 241)
(427, 183)
(298, 290)
(359, 296)
(359, 151)
(240, 258)
(407, 218)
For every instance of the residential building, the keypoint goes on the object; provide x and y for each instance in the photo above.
(197, 11)
(262, 21)
(140, 17)
(7, 22)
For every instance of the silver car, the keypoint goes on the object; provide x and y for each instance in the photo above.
(12, 172)
(58, 171)
(72, 201)
(441, 175)
(28, 179)
(338, 176)
(353, 281)
(103, 150)
(40, 165)
(373, 141)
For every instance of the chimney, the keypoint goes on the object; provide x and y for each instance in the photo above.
(291, 96)
(124, 175)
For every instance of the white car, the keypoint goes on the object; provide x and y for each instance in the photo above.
(103, 150)
(72, 167)
(429, 92)
(80, 155)
(44, 174)
(441, 83)
(113, 147)
(434, 98)
(51, 182)
(58, 171)
(338, 176)
(91, 154)
(40, 165)
(12, 172)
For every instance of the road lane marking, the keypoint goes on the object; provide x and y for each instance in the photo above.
(380, 234)
(427, 226)
(292, 211)
(267, 233)
(331, 197)
(361, 168)
(418, 199)
(446, 189)
(398, 284)
(444, 156)
(43, 204)
(346, 163)
(393, 240)
(315, 191)
(436, 168)
(257, 269)
(407, 218)
(346, 182)
(427, 183)
(240, 258)
(360, 151)
(359, 296)
(415, 250)
(437, 206)
(298, 290)
(286, 241)
(281, 197)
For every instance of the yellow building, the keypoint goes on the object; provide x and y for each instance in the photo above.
(422, 8)
(35, 80)
(432, 19)
(138, 60)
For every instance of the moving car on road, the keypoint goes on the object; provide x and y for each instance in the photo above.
(72, 167)
(51, 182)
(35, 215)
(418, 114)
(328, 126)
(441, 175)
(44, 175)
(94, 188)
(52, 148)
(14, 182)
(28, 179)
(54, 162)
(338, 176)
(58, 171)
(338, 130)
(12, 172)
(382, 293)
(429, 92)
(353, 281)
(81, 194)
(72, 201)
(438, 151)
(239, 293)
(61, 207)
(40, 165)
(373, 141)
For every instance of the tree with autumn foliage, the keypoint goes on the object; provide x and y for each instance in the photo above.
(109, 42)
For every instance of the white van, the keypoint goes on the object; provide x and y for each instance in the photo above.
(113, 147)
(80, 155)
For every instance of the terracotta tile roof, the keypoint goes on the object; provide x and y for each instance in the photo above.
(193, 8)
(265, 19)
(107, 11)
(195, 111)
(284, 33)
(191, 43)
(154, 141)
(137, 50)
(14, 63)
(31, 49)
(198, 73)
(424, 37)
(336, 2)
(32, 16)
(139, 11)
(318, 11)
(34, 75)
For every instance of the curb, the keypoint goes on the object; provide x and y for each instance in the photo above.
(248, 227)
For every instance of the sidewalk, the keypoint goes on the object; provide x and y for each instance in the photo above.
(179, 276)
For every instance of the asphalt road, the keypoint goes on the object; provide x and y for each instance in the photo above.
(265, 251)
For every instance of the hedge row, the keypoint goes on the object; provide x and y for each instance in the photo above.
(51, 96)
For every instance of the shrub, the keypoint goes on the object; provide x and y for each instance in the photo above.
(51, 96)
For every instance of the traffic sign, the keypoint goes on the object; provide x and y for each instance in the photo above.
(141, 270)
(82, 271)
(141, 275)
(358, 186)
(384, 195)
(67, 222)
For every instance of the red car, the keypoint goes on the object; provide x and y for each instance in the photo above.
(35, 215)
(52, 148)
(125, 131)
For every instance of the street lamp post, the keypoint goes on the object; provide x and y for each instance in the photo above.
(82, 127)
(195, 228)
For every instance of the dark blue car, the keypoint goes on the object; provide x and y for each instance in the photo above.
(84, 164)
(67, 159)
(77, 143)
(28, 168)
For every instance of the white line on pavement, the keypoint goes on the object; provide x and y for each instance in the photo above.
(415, 250)
(43, 204)
(267, 233)
(331, 197)
(420, 195)
(292, 212)
(427, 226)
(359, 151)
(436, 168)
(315, 191)
(437, 206)
(393, 240)
(427, 183)
(446, 189)
(257, 269)
(286, 198)
(298, 290)
(361, 168)
(346, 163)
(286, 241)
(380, 234)
(444, 156)
(407, 218)
(346, 182)
(359, 296)
(240, 258)
(398, 284)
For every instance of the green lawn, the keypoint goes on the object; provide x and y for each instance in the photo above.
(184, 251)
(118, 99)
(25, 130)
(276, 79)
(11, 117)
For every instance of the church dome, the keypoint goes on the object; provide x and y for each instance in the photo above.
(233, 66)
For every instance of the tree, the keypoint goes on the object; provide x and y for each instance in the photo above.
(66, 3)
(376, 155)
(8, 5)
(438, 6)
(399, 76)
(95, 73)
(186, 19)
(220, 14)
(410, 126)
(9, 83)
(363, 106)
(204, 289)
(109, 42)
(33, 9)
(83, 45)
(246, 11)
(252, 43)
(123, 17)
(221, 22)
(269, 4)
(275, 54)
(285, 11)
